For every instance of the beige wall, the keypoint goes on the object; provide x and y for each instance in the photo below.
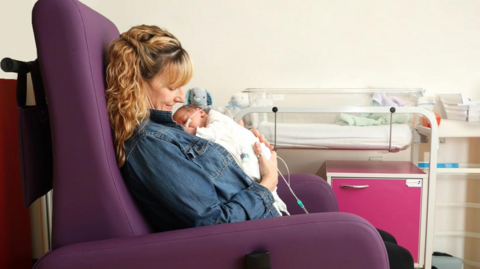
(309, 43)
(17, 41)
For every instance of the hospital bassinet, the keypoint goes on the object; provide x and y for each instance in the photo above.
(298, 123)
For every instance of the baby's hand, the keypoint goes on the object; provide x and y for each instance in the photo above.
(190, 130)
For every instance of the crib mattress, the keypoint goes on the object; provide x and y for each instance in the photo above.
(332, 136)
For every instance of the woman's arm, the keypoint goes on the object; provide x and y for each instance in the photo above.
(170, 184)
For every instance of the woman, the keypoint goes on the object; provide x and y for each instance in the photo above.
(180, 180)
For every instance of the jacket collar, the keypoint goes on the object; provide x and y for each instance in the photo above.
(164, 118)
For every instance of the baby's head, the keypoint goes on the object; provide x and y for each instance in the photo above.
(191, 116)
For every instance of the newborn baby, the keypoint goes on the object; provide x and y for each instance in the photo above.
(237, 140)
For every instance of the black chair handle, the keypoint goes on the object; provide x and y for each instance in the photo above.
(14, 66)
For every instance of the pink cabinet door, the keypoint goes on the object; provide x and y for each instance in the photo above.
(389, 204)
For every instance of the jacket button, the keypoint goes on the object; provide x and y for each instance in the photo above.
(199, 148)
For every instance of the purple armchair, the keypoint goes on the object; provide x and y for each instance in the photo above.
(96, 223)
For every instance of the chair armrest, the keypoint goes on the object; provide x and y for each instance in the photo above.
(315, 193)
(322, 240)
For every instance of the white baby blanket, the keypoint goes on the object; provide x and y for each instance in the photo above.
(333, 136)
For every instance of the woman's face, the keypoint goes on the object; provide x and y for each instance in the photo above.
(162, 97)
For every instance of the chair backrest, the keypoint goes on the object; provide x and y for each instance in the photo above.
(90, 199)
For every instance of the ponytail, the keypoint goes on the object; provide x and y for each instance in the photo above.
(134, 58)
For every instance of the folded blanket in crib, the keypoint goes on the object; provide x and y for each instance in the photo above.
(371, 119)
(350, 120)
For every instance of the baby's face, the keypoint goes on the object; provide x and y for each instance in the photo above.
(197, 118)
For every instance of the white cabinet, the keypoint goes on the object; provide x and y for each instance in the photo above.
(457, 220)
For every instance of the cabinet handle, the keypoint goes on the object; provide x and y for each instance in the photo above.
(354, 186)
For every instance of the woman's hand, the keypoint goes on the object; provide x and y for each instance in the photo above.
(268, 168)
(262, 139)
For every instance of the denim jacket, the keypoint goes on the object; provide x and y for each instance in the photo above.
(181, 181)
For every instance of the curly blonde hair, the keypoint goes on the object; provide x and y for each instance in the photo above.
(137, 56)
